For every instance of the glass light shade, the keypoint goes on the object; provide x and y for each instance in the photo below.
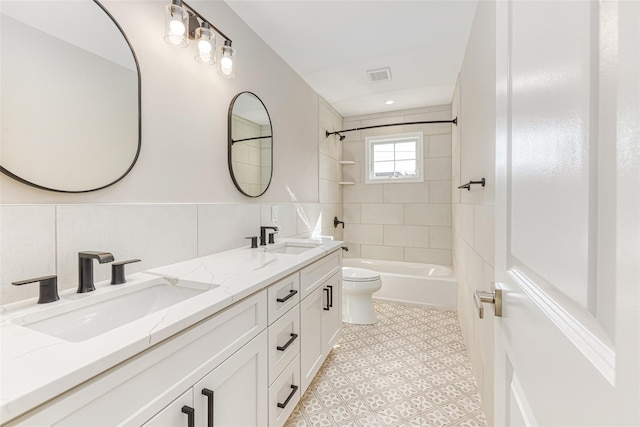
(226, 60)
(205, 45)
(176, 26)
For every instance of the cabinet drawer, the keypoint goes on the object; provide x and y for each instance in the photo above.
(313, 275)
(283, 295)
(284, 394)
(284, 342)
(140, 387)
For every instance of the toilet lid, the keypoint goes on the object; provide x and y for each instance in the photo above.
(354, 274)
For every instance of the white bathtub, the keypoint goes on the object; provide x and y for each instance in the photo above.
(430, 285)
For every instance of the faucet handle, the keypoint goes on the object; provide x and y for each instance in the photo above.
(48, 288)
(117, 271)
(254, 241)
(272, 237)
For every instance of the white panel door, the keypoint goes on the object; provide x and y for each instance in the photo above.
(567, 226)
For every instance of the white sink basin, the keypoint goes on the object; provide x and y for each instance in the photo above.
(291, 248)
(92, 315)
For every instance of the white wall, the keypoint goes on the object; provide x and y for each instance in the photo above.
(473, 211)
(179, 201)
(184, 118)
(400, 221)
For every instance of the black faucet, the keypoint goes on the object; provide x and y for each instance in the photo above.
(263, 236)
(85, 268)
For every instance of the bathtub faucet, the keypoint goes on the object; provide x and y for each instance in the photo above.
(336, 222)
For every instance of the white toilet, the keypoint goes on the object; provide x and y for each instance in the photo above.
(358, 286)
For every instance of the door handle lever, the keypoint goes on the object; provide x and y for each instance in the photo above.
(494, 297)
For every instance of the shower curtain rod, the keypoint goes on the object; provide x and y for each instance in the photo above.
(338, 132)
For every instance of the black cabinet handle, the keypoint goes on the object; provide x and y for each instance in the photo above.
(327, 307)
(293, 391)
(292, 292)
(330, 295)
(190, 415)
(209, 394)
(288, 343)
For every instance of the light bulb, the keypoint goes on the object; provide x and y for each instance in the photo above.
(226, 65)
(204, 47)
(176, 26)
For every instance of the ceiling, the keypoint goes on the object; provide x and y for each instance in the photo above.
(332, 44)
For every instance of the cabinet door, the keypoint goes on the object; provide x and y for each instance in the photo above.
(311, 316)
(176, 414)
(332, 318)
(235, 393)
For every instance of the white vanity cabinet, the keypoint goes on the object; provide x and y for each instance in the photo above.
(246, 365)
(320, 314)
(134, 391)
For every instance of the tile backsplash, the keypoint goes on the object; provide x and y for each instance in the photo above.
(39, 240)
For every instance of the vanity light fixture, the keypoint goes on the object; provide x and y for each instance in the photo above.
(205, 44)
(226, 60)
(183, 23)
(176, 24)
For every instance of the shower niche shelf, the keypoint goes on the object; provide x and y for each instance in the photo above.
(346, 162)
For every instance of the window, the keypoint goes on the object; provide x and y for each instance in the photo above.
(394, 158)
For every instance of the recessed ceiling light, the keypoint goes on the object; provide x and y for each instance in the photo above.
(389, 102)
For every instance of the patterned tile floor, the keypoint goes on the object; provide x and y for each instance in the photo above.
(409, 369)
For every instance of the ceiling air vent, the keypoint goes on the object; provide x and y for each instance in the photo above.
(379, 75)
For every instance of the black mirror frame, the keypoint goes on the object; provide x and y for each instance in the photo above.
(135, 159)
(230, 144)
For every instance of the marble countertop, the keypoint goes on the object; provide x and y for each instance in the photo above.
(37, 367)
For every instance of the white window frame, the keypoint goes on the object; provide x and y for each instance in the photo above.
(371, 141)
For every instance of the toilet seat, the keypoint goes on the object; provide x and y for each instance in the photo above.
(354, 274)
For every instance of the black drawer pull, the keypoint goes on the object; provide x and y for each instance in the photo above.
(330, 295)
(293, 391)
(327, 307)
(209, 394)
(288, 343)
(190, 418)
(292, 292)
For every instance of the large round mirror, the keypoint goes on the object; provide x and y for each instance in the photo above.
(70, 96)
(250, 144)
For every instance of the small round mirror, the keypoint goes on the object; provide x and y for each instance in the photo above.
(250, 144)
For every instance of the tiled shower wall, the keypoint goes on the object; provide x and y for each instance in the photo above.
(400, 221)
